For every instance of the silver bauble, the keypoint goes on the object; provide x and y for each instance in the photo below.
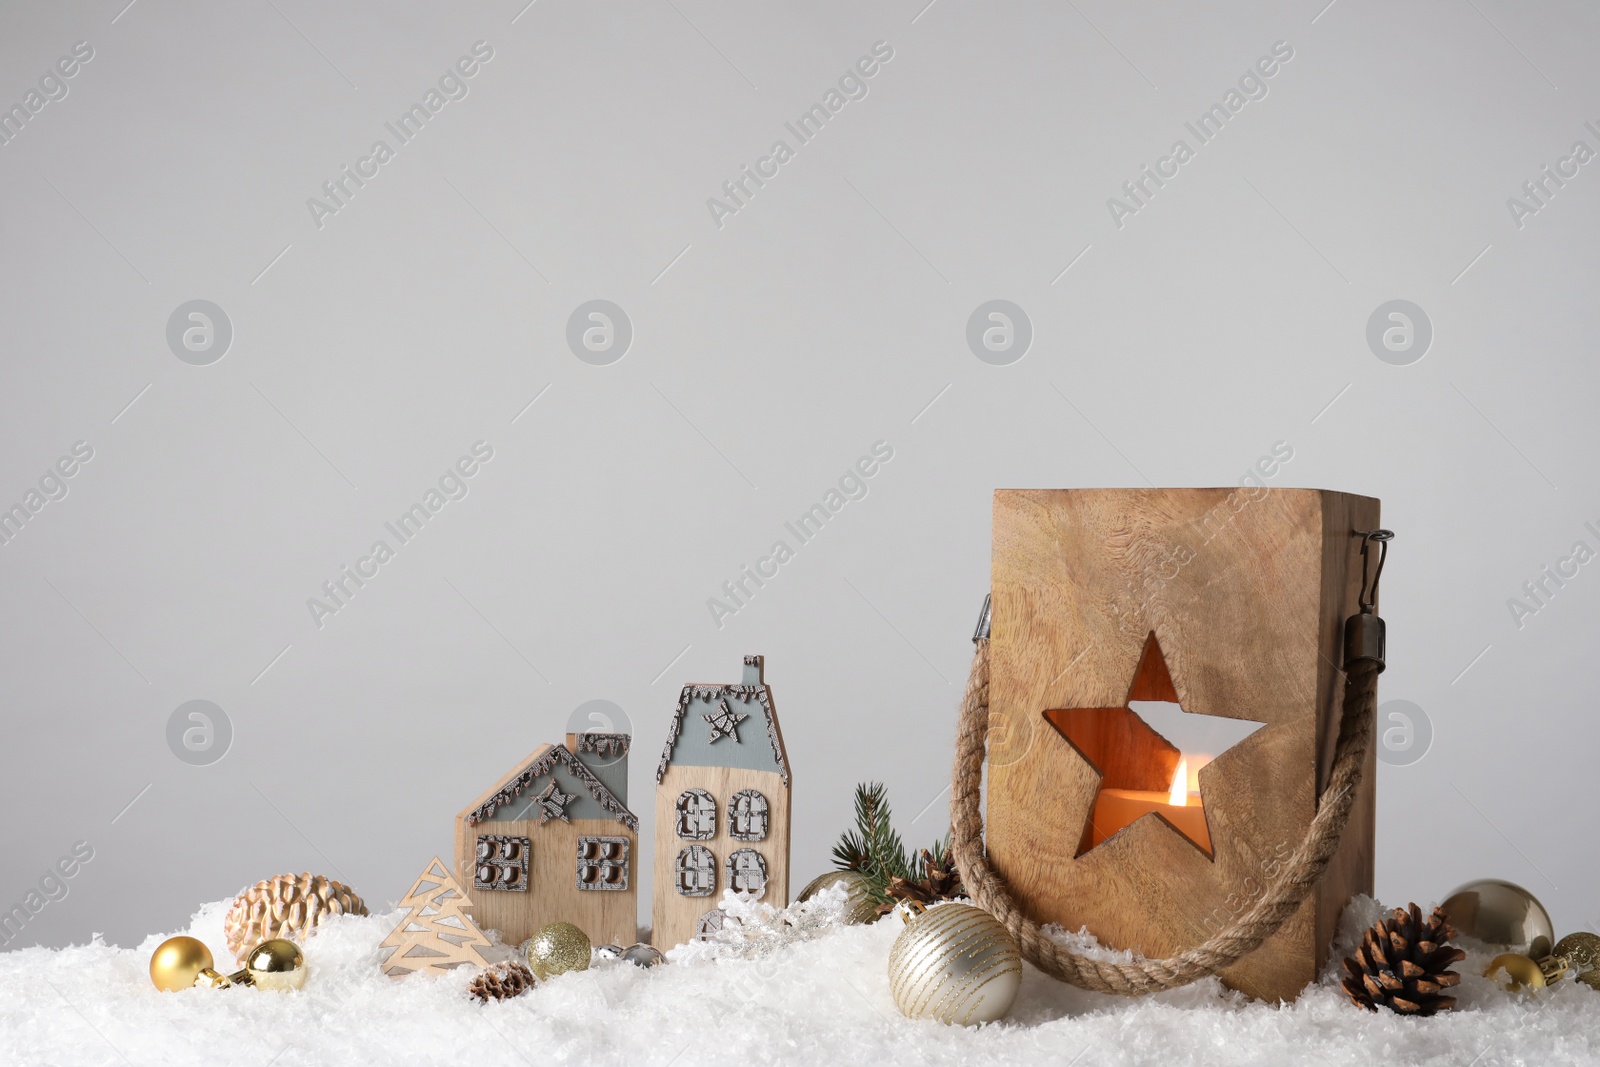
(954, 963)
(1500, 913)
(642, 955)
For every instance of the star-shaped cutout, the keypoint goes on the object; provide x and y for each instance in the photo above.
(725, 723)
(552, 803)
(1136, 764)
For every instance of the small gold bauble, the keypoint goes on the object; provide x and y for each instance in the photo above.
(557, 949)
(276, 964)
(954, 963)
(181, 963)
(1500, 913)
(1582, 953)
(858, 906)
(1519, 971)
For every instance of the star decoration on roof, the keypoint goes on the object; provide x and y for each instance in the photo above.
(1140, 770)
(552, 803)
(725, 723)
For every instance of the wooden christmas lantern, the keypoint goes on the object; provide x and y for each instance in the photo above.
(1228, 604)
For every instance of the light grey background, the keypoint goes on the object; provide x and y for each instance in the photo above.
(831, 312)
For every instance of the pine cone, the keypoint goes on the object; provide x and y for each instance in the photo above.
(944, 877)
(510, 979)
(1401, 964)
(941, 881)
(290, 905)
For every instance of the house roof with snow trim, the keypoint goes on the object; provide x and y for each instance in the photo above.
(589, 797)
(726, 726)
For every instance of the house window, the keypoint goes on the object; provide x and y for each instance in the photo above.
(603, 863)
(697, 815)
(710, 923)
(747, 816)
(696, 872)
(502, 863)
(747, 871)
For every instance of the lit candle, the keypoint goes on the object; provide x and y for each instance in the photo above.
(1115, 809)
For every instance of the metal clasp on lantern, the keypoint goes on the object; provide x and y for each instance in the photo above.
(1364, 632)
(982, 631)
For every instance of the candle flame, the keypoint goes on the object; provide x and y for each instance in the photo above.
(1179, 795)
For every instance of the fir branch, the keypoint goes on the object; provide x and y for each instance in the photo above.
(873, 847)
(850, 854)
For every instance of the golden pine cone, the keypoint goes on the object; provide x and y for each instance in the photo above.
(510, 979)
(290, 905)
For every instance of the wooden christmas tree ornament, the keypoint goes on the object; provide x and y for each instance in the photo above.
(437, 933)
(1227, 604)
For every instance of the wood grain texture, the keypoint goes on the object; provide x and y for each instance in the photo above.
(1352, 868)
(677, 917)
(438, 932)
(608, 916)
(1246, 590)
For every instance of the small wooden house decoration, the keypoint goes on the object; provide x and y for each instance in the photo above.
(1226, 602)
(553, 840)
(722, 805)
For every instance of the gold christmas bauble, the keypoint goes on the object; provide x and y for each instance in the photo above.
(858, 907)
(179, 962)
(954, 963)
(1582, 953)
(276, 964)
(1500, 913)
(1520, 972)
(557, 949)
(288, 906)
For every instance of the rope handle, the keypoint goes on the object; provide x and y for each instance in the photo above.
(1364, 651)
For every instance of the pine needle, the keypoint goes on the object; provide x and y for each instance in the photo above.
(873, 847)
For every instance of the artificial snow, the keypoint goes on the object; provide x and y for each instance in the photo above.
(822, 999)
